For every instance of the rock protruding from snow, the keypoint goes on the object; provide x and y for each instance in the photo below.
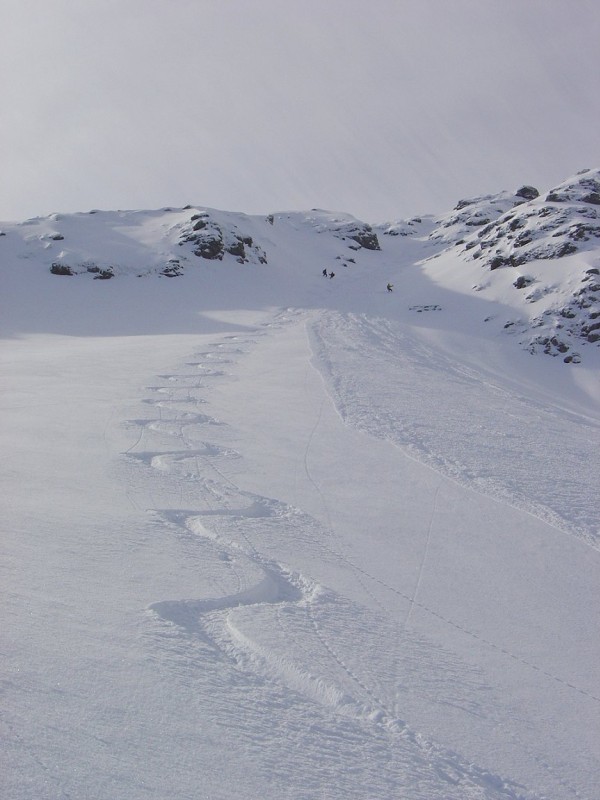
(212, 240)
(565, 221)
(536, 255)
(547, 233)
(105, 244)
(527, 192)
(416, 226)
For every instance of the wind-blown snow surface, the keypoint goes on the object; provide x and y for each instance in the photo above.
(270, 534)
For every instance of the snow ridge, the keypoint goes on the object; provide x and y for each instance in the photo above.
(537, 254)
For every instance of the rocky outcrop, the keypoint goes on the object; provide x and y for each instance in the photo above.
(534, 256)
(527, 192)
(558, 225)
(212, 241)
(99, 273)
(416, 226)
(509, 231)
(61, 269)
(471, 216)
(365, 237)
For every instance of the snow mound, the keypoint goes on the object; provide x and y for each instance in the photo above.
(344, 227)
(104, 244)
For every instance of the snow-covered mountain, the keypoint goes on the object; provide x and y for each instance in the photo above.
(550, 245)
(273, 530)
(536, 254)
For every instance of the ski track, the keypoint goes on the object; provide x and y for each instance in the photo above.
(437, 427)
(424, 559)
(283, 641)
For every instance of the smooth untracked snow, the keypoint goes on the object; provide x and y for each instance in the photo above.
(272, 535)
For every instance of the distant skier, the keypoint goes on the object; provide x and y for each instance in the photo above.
(325, 273)
(390, 286)
(332, 275)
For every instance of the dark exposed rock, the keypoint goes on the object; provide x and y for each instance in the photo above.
(366, 238)
(463, 204)
(501, 261)
(210, 248)
(552, 345)
(560, 346)
(523, 239)
(529, 228)
(61, 269)
(499, 244)
(584, 188)
(98, 273)
(173, 269)
(475, 222)
(237, 249)
(522, 281)
(431, 307)
(527, 192)
(587, 329)
(565, 249)
(104, 274)
(406, 227)
(212, 240)
(583, 232)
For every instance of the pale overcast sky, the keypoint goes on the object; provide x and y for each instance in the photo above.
(382, 109)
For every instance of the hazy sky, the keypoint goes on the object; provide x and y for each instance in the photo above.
(383, 109)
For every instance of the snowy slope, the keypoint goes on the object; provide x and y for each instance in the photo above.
(535, 255)
(274, 534)
(540, 256)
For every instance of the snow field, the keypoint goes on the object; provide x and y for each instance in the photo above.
(300, 551)
(263, 530)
